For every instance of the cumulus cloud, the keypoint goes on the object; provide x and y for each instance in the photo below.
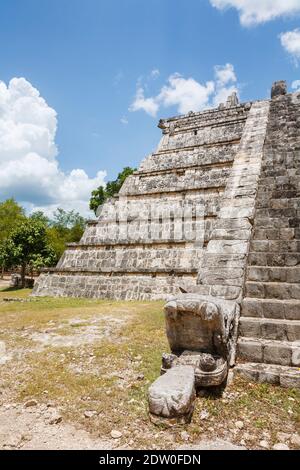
(296, 85)
(253, 12)
(186, 94)
(29, 169)
(149, 105)
(290, 41)
(225, 74)
(155, 73)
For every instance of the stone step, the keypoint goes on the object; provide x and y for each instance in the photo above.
(275, 246)
(284, 376)
(263, 202)
(290, 181)
(269, 328)
(284, 233)
(284, 353)
(274, 259)
(273, 290)
(290, 212)
(289, 274)
(273, 194)
(271, 308)
(265, 222)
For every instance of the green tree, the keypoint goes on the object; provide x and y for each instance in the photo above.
(113, 187)
(11, 214)
(39, 215)
(67, 219)
(57, 242)
(27, 246)
(100, 195)
(97, 198)
(66, 227)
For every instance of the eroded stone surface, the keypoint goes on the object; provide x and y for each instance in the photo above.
(151, 256)
(236, 169)
(200, 323)
(172, 395)
(270, 327)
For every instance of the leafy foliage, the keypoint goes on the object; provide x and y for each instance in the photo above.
(97, 198)
(11, 213)
(37, 240)
(28, 246)
(66, 227)
(100, 195)
(64, 220)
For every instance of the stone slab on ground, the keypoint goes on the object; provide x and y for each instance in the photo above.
(173, 394)
(288, 377)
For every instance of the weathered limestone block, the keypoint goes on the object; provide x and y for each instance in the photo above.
(184, 158)
(228, 246)
(190, 179)
(150, 238)
(133, 258)
(279, 88)
(201, 323)
(296, 353)
(209, 370)
(172, 395)
(232, 231)
(284, 376)
(224, 276)
(137, 286)
(201, 331)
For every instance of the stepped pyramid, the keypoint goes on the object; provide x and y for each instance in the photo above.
(214, 210)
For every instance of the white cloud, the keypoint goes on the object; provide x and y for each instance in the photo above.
(290, 41)
(296, 85)
(149, 105)
(155, 73)
(124, 120)
(253, 12)
(187, 94)
(225, 74)
(29, 169)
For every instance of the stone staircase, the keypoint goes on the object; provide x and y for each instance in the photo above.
(148, 240)
(269, 329)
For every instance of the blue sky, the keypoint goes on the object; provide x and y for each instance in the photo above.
(88, 58)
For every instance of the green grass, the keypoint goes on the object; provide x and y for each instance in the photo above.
(112, 375)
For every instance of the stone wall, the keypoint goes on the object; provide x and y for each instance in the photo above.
(215, 210)
(112, 286)
(179, 257)
(223, 265)
(270, 323)
(139, 247)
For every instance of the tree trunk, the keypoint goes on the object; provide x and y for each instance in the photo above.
(2, 271)
(23, 274)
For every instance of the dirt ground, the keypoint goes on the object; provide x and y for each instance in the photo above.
(75, 374)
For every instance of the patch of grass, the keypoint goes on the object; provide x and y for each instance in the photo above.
(133, 352)
(14, 292)
(111, 376)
